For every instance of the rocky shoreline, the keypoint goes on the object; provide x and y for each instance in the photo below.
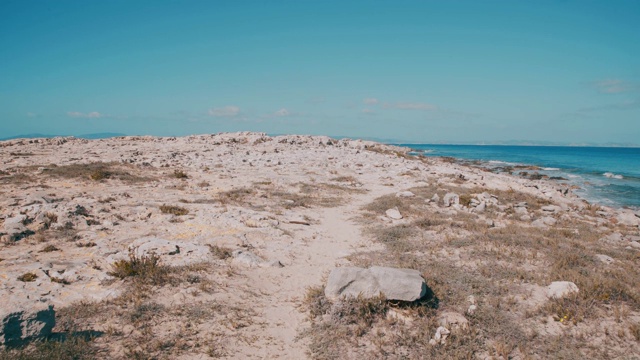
(237, 226)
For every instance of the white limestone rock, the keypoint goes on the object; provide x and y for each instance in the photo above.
(544, 222)
(605, 259)
(393, 214)
(395, 284)
(628, 218)
(560, 289)
(454, 321)
(450, 199)
(405, 194)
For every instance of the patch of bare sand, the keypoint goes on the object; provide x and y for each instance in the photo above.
(320, 248)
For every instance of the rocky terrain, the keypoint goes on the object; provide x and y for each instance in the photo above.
(248, 246)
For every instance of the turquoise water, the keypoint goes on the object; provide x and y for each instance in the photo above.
(605, 175)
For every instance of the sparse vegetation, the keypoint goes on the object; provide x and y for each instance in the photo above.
(28, 277)
(49, 248)
(96, 171)
(220, 252)
(173, 210)
(179, 174)
(74, 347)
(145, 268)
(86, 244)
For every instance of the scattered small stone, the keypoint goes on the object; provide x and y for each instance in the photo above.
(246, 258)
(544, 222)
(454, 321)
(608, 260)
(451, 199)
(471, 310)
(393, 214)
(551, 208)
(405, 194)
(441, 336)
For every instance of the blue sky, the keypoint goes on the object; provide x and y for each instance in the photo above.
(415, 71)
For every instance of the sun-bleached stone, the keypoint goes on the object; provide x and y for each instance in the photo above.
(394, 283)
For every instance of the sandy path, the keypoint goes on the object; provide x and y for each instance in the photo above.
(317, 249)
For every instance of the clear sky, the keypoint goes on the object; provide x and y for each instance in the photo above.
(418, 71)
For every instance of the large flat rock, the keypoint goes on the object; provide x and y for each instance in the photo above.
(395, 284)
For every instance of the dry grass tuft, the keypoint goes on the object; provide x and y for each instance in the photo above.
(74, 347)
(49, 248)
(179, 174)
(145, 268)
(220, 252)
(235, 196)
(96, 171)
(174, 210)
(28, 277)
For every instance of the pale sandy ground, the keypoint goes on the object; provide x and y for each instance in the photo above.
(260, 224)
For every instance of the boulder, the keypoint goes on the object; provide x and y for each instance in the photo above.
(451, 199)
(26, 323)
(560, 289)
(393, 214)
(395, 284)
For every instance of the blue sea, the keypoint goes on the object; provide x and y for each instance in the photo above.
(605, 175)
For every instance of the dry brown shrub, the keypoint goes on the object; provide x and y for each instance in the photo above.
(220, 252)
(174, 210)
(96, 171)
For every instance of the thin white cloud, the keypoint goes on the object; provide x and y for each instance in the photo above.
(368, 111)
(227, 111)
(90, 115)
(614, 86)
(282, 112)
(370, 101)
(411, 106)
(626, 105)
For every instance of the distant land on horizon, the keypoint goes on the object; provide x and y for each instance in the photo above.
(105, 135)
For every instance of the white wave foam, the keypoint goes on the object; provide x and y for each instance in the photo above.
(612, 175)
(498, 162)
(551, 169)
